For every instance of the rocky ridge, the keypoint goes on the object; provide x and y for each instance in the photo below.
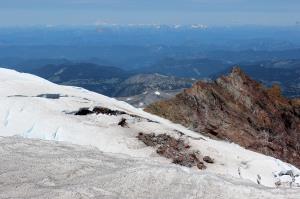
(241, 110)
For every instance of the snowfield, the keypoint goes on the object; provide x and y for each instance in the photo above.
(43, 169)
(32, 107)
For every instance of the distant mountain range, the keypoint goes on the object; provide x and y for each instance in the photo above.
(225, 38)
(113, 81)
(101, 79)
(132, 47)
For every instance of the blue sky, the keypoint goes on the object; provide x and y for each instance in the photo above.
(208, 12)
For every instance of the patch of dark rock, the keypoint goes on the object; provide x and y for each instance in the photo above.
(107, 111)
(287, 120)
(142, 118)
(99, 110)
(17, 96)
(201, 166)
(123, 123)
(84, 111)
(278, 183)
(208, 159)
(49, 96)
(270, 147)
(288, 172)
(179, 132)
(102, 110)
(175, 149)
(211, 132)
(148, 120)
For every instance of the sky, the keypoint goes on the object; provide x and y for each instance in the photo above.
(206, 12)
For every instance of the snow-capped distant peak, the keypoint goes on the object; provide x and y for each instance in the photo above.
(177, 26)
(198, 26)
(157, 93)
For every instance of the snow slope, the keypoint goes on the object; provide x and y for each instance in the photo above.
(27, 110)
(79, 172)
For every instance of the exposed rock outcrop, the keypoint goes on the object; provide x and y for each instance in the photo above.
(239, 109)
(175, 149)
(99, 110)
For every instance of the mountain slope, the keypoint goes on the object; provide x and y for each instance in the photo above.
(144, 89)
(238, 109)
(32, 107)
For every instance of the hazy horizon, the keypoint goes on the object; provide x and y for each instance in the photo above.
(93, 12)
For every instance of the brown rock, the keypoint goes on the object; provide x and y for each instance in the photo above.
(208, 159)
(201, 166)
(238, 109)
(123, 123)
(172, 148)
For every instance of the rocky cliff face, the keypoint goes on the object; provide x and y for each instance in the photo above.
(238, 109)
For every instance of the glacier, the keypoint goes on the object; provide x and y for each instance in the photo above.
(38, 125)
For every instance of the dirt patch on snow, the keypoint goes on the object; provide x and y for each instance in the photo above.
(175, 149)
